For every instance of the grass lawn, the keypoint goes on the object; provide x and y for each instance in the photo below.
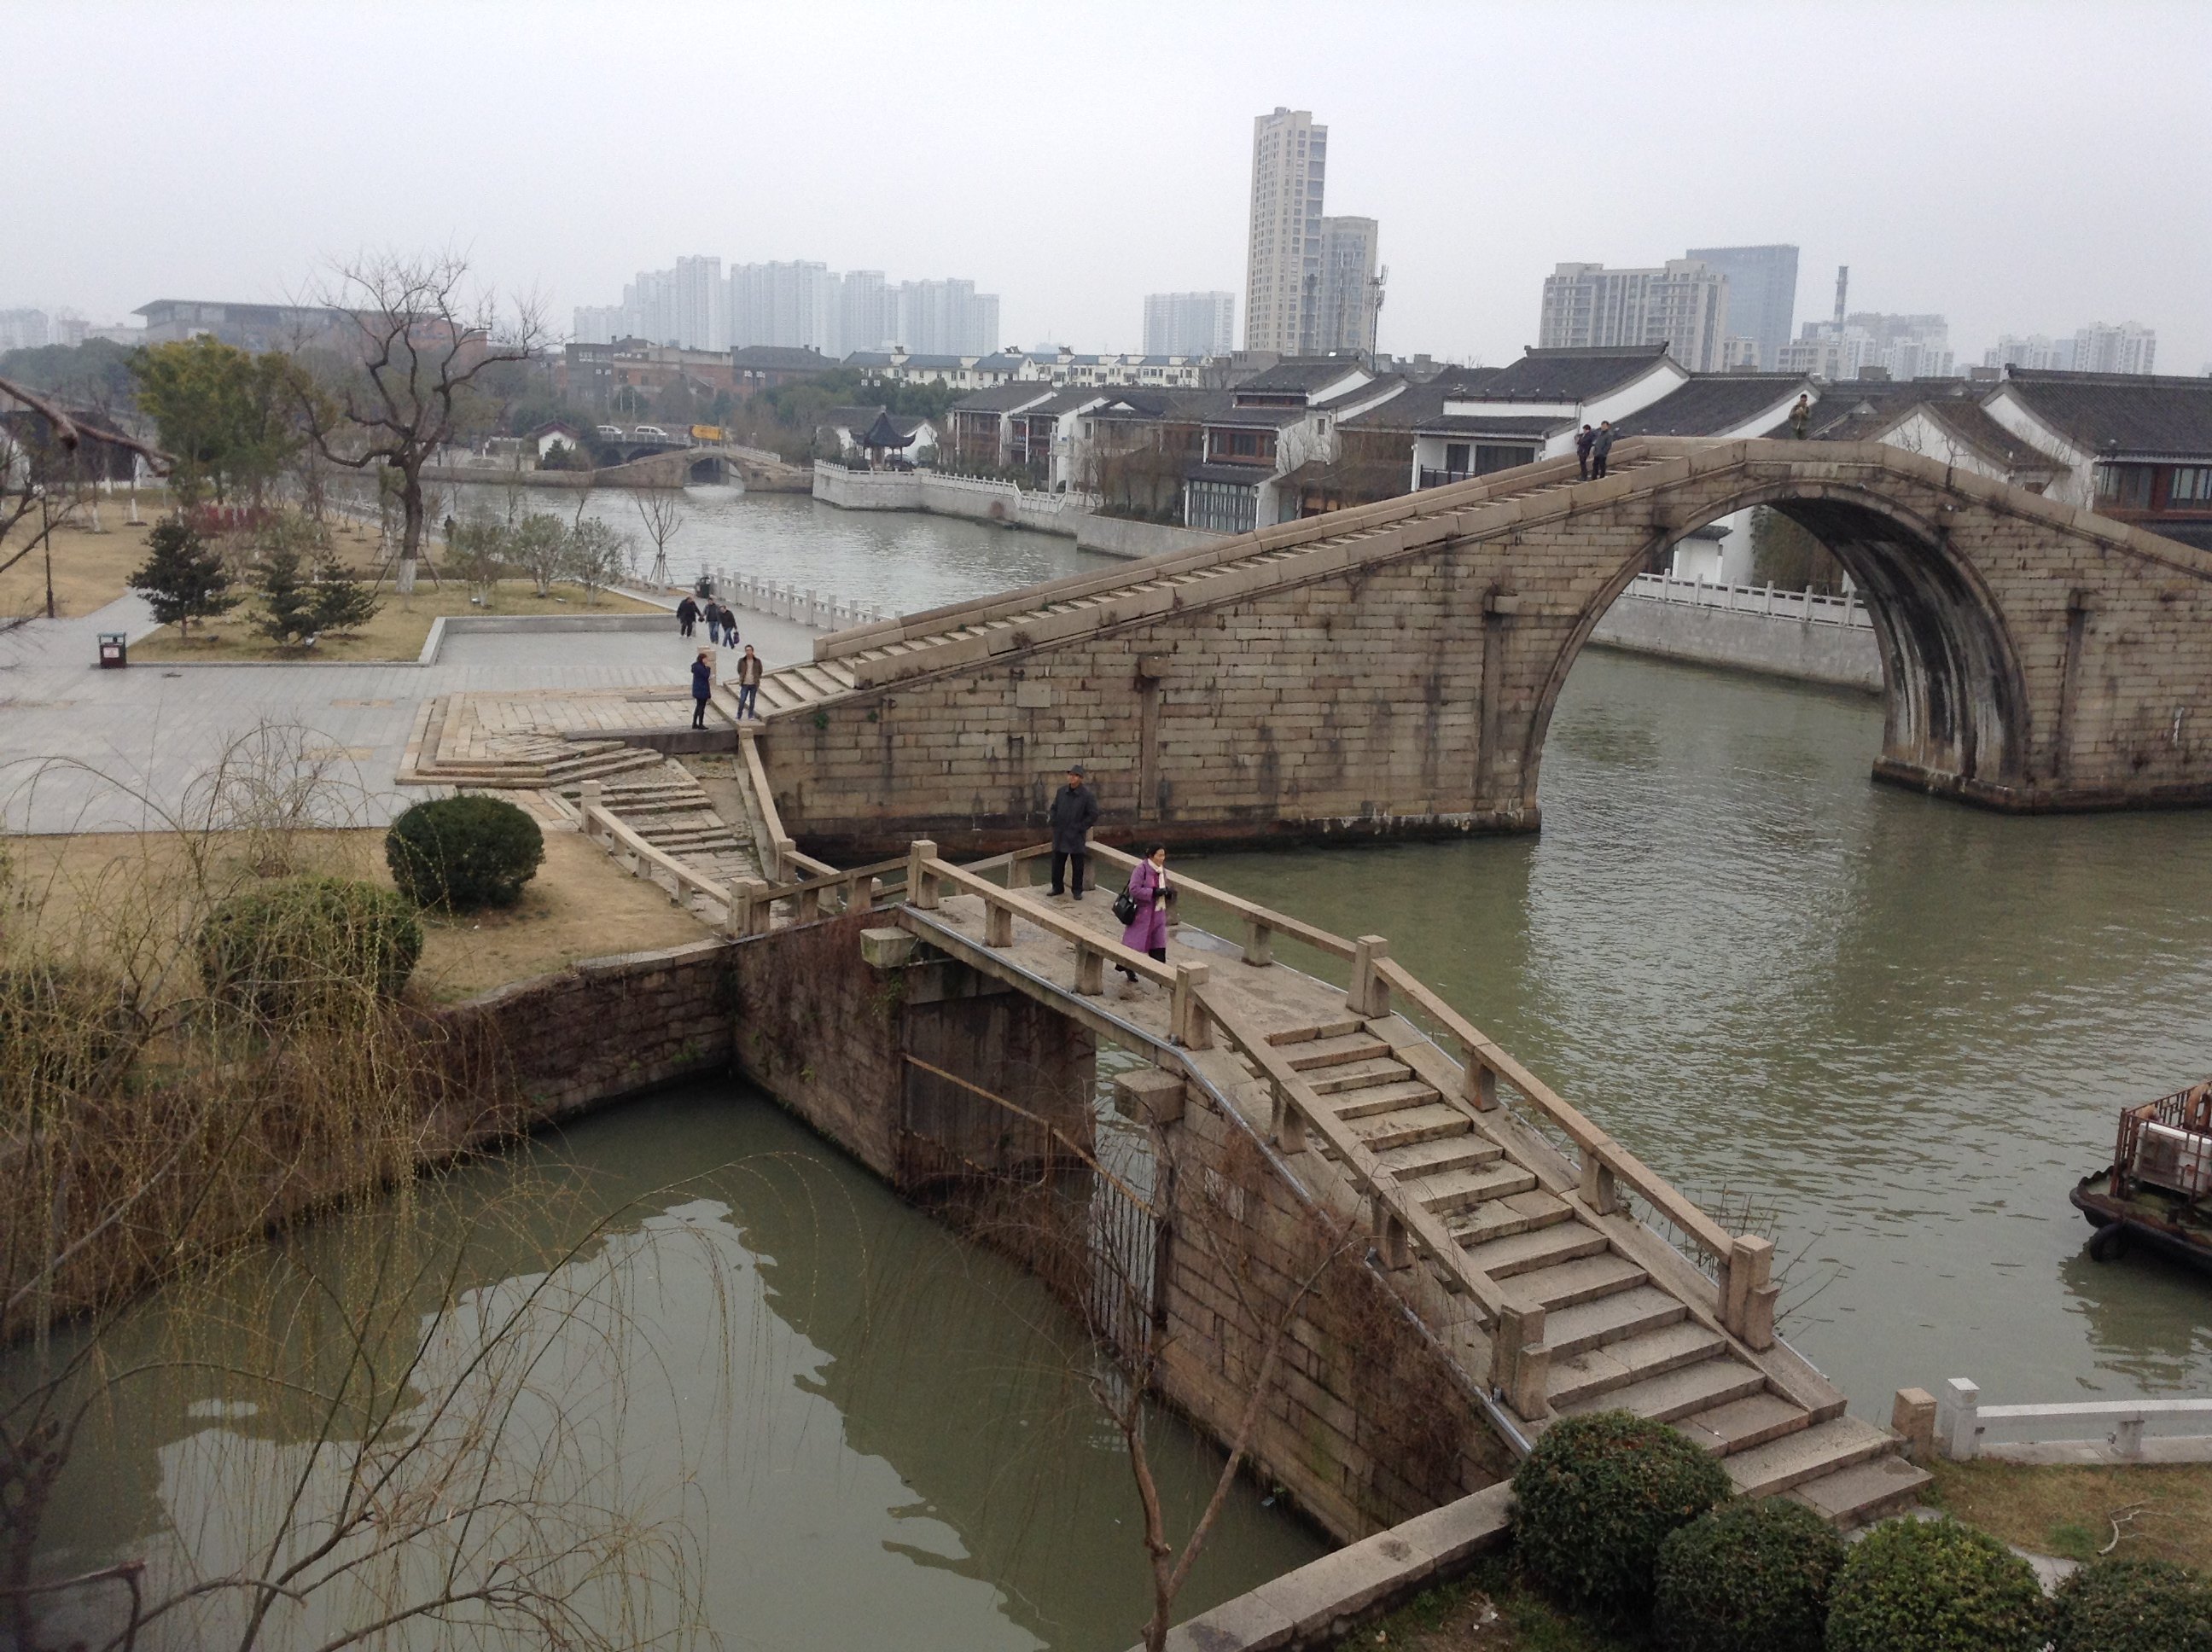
(580, 905)
(397, 632)
(89, 568)
(2068, 1512)
(1489, 1609)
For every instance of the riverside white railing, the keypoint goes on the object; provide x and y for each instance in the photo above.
(2089, 1430)
(1806, 605)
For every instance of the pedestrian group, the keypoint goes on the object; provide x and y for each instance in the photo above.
(1591, 447)
(722, 631)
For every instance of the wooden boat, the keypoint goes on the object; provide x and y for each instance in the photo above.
(2158, 1188)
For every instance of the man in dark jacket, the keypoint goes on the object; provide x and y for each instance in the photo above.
(702, 686)
(1583, 437)
(1599, 448)
(687, 615)
(1074, 813)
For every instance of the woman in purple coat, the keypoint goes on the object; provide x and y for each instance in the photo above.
(1149, 887)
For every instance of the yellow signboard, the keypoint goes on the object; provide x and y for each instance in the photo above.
(706, 433)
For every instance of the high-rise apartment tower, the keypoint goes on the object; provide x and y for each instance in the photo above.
(1282, 270)
(1762, 295)
(1190, 324)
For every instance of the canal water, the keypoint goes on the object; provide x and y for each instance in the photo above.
(861, 1431)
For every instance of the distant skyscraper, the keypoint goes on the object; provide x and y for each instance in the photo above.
(1190, 324)
(1282, 270)
(2037, 350)
(25, 329)
(1351, 285)
(786, 304)
(946, 318)
(2102, 347)
(867, 314)
(1682, 304)
(699, 298)
(1762, 298)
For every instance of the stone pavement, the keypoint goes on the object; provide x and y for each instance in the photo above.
(80, 746)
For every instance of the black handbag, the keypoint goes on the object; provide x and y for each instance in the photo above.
(1125, 906)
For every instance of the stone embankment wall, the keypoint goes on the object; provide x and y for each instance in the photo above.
(1770, 645)
(1068, 514)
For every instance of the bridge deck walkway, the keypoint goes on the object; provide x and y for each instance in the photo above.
(1568, 1302)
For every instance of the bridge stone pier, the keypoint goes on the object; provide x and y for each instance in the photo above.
(1393, 669)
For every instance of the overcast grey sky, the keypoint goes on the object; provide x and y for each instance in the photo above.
(2025, 167)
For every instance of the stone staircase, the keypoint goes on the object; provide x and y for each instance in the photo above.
(664, 804)
(869, 656)
(1618, 1336)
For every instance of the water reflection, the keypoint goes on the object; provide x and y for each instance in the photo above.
(872, 1433)
(1904, 1026)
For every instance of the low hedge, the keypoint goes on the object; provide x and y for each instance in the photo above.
(306, 945)
(1934, 1586)
(2132, 1606)
(462, 853)
(1750, 1576)
(1596, 1498)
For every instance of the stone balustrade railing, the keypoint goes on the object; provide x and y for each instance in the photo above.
(1806, 605)
(807, 606)
(2077, 1430)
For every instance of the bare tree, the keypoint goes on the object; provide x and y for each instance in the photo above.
(663, 511)
(416, 336)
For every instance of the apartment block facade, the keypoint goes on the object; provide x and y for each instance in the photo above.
(1190, 324)
(1682, 304)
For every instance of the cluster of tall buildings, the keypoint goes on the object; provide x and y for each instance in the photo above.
(31, 330)
(2101, 347)
(801, 304)
(1312, 283)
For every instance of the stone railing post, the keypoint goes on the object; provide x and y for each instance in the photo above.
(1912, 1418)
(1959, 1429)
(1258, 943)
(1481, 1080)
(1286, 1126)
(588, 803)
(1370, 995)
(1190, 1026)
(921, 887)
(1597, 1189)
(750, 912)
(1746, 1295)
(1520, 1363)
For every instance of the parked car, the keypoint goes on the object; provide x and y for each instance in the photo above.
(611, 432)
(652, 432)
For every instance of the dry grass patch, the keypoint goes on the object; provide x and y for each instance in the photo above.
(397, 631)
(2069, 1511)
(580, 905)
(89, 568)
(1488, 1610)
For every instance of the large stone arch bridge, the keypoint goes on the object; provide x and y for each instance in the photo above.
(1393, 668)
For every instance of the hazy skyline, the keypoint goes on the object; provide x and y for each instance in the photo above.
(1988, 162)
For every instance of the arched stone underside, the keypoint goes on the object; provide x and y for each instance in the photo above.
(1393, 669)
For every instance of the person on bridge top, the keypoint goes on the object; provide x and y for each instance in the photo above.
(1800, 417)
(1074, 813)
(687, 616)
(703, 684)
(1148, 931)
(1601, 444)
(749, 676)
(1583, 437)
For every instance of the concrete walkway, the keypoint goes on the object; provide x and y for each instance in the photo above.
(87, 750)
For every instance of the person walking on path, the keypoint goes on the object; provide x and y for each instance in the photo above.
(1601, 446)
(687, 616)
(1583, 438)
(1074, 813)
(749, 676)
(1149, 887)
(703, 684)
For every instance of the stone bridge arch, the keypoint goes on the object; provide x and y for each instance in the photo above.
(1956, 704)
(1393, 669)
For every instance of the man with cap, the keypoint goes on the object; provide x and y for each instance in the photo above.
(1074, 813)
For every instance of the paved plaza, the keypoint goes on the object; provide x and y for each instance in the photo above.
(79, 746)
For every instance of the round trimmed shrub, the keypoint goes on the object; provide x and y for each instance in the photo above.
(462, 853)
(1934, 1586)
(2132, 1606)
(1596, 1499)
(1750, 1576)
(296, 945)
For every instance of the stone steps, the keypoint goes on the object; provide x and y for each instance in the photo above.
(1433, 1157)
(1864, 1492)
(1500, 1217)
(1677, 1392)
(1615, 1366)
(1518, 1252)
(1584, 1280)
(1782, 1465)
(1448, 1192)
(1613, 1318)
(1407, 1125)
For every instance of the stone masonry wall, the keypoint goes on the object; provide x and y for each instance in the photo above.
(2039, 659)
(1367, 1422)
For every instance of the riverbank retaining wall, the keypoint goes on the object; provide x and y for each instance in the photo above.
(1770, 644)
(977, 500)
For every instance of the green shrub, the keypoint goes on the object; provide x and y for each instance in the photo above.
(2132, 1606)
(1934, 1586)
(1596, 1499)
(304, 945)
(460, 852)
(1750, 1576)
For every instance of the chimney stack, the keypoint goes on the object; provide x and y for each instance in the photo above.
(1843, 285)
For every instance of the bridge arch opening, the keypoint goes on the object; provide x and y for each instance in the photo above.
(1955, 694)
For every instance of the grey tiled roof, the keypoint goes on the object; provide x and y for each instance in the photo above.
(1711, 403)
(1564, 375)
(2122, 414)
